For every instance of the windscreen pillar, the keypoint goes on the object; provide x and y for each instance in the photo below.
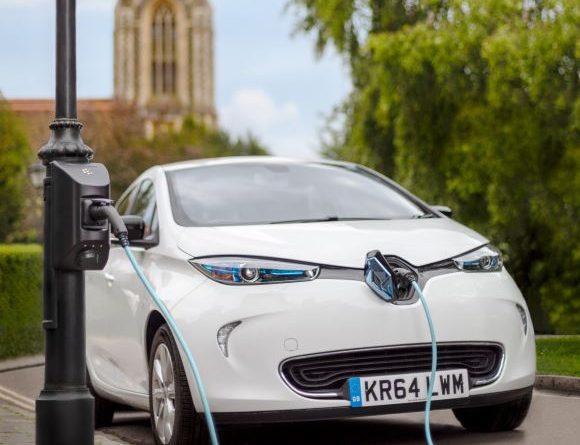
(73, 243)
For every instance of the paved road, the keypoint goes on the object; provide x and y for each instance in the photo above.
(554, 419)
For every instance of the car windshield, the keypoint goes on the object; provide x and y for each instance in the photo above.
(277, 193)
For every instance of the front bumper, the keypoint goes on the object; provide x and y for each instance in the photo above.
(304, 415)
(295, 319)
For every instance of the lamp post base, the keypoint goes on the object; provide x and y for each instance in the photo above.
(65, 417)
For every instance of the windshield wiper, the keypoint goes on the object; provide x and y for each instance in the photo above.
(327, 219)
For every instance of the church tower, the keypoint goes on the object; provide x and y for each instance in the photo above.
(164, 60)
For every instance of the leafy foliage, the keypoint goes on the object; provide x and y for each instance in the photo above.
(14, 158)
(20, 300)
(473, 103)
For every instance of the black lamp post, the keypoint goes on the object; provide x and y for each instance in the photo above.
(73, 243)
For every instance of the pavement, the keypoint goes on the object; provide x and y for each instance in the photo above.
(20, 382)
(554, 418)
(17, 427)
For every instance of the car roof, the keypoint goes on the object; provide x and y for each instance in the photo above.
(245, 160)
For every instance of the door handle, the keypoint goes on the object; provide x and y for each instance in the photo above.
(110, 278)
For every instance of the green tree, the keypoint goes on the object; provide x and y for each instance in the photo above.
(473, 103)
(14, 158)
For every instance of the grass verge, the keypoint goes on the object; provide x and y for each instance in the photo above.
(559, 355)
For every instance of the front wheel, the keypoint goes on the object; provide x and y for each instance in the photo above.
(173, 417)
(503, 417)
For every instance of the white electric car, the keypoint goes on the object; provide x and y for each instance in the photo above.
(290, 281)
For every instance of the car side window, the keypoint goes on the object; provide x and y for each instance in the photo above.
(145, 206)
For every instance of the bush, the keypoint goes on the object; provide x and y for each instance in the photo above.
(20, 300)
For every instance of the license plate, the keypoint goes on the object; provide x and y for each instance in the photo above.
(407, 388)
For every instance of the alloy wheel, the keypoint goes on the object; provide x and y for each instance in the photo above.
(163, 394)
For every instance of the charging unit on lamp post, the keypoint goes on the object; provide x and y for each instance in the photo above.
(65, 408)
(73, 243)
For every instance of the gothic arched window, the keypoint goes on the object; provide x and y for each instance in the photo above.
(163, 66)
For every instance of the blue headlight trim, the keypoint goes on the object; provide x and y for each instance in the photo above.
(244, 271)
(484, 259)
(223, 271)
(218, 269)
(283, 273)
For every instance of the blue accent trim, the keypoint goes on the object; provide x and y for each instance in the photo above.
(354, 392)
(283, 272)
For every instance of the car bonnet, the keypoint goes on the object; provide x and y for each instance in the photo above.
(340, 243)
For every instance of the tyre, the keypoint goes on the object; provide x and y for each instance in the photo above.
(503, 417)
(104, 409)
(173, 417)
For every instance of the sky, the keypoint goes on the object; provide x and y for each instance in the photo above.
(268, 81)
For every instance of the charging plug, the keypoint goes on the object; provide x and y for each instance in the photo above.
(103, 209)
(404, 276)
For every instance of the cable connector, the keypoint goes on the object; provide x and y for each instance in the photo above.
(103, 209)
(404, 276)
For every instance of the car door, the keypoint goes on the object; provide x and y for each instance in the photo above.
(124, 364)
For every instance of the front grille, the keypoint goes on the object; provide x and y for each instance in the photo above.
(324, 375)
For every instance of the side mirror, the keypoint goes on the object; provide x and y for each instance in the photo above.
(135, 226)
(444, 210)
(136, 232)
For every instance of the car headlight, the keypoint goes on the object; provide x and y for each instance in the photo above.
(244, 271)
(484, 259)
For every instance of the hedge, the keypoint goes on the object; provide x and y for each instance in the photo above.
(20, 300)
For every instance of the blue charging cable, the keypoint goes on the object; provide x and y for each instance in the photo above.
(177, 334)
(433, 363)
